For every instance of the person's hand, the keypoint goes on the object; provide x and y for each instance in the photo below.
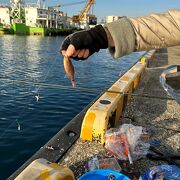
(80, 45)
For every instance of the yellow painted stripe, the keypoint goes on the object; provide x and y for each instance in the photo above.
(87, 127)
(44, 175)
(143, 59)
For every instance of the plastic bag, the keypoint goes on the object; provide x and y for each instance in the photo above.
(107, 163)
(113, 143)
(124, 143)
(133, 133)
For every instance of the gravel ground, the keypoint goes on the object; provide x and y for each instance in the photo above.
(157, 111)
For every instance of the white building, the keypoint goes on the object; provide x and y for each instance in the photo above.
(112, 18)
(51, 18)
(5, 16)
(34, 16)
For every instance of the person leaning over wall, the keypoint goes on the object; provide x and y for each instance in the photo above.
(125, 35)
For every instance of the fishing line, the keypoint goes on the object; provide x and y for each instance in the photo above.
(16, 120)
(37, 99)
(88, 90)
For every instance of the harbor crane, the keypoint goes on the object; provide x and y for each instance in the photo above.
(86, 14)
(69, 4)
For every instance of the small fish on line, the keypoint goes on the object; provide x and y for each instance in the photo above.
(37, 98)
(19, 126)
(69, 69)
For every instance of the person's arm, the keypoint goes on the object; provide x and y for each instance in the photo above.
(125, 36)
(144, 33)
(157, 30)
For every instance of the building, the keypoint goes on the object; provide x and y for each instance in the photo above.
(5, 16)
(112, 18)
(32, 15)
(50, 18)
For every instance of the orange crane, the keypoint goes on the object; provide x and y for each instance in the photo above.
(86, 8)
(85, 14)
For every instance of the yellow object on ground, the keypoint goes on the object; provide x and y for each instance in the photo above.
(42, 169)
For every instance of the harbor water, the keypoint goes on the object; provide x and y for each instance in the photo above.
(30, 114)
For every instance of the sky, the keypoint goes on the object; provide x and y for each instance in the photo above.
(129, 8)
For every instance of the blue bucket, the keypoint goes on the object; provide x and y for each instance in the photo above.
(103, 174)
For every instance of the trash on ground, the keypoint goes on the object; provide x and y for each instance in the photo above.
(93, 164)
(161, 172)
(107, 163)
(129, 142)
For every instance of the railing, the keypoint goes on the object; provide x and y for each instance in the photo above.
(42, 16)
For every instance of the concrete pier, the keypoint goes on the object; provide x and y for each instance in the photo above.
(156, 111)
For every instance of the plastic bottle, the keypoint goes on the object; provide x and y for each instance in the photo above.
(93, 164)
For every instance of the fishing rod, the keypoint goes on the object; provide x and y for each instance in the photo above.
(90, 90)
